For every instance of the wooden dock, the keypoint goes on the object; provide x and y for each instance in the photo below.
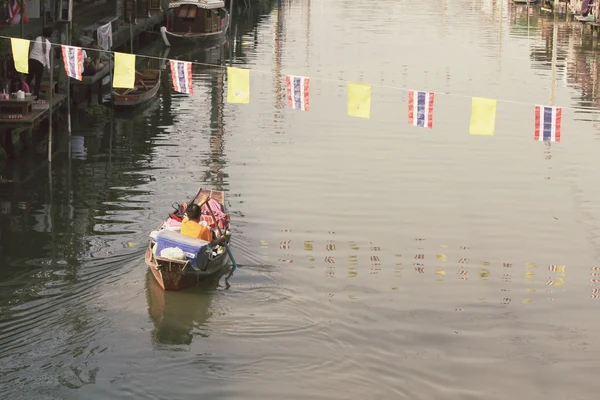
(38, 114)
(16, 134)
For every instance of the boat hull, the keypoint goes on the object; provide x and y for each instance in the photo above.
(173, 275)
(129, 98)
(178, 38)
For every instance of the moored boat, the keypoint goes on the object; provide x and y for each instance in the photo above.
(195, 21)
(178, 261)
(147, 82)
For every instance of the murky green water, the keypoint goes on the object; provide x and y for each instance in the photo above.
(378, 259)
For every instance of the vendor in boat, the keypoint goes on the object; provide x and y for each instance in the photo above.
(92, 62)
(190, 226)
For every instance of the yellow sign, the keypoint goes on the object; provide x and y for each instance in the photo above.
(124, 71)
(359, 100)
(20, 50)
(238, 85)
(483, 116)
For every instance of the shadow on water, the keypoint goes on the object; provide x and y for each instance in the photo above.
(179, 316)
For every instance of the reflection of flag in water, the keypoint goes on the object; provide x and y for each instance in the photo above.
(73, 61)
(557, 268)
(420, 109)
(547, 123)
(297, 92)
(181, 75)
(78, 151)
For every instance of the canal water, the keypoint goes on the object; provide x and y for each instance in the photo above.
(377, 259)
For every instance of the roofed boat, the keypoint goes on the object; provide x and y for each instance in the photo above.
(195, 21)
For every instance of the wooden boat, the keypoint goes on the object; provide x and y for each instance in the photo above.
(175, 274)
(147, 82)
(195, 21)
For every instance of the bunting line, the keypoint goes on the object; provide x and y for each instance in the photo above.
(547, 125)
(591, 110)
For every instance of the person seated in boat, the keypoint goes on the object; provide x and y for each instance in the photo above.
(190, 226)
(91, 65)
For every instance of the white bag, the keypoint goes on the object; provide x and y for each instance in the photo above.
(173, 253)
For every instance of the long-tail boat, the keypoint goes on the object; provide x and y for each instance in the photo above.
(147, 83)
(178, 261)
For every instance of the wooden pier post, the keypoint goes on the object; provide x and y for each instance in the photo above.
(50, 108)
(554, 48)
(69, 92)
(22, 19)
(130, 37)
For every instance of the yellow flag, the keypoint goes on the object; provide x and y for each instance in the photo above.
(20, 50)
(359, 100)
(238, 85)
(124, 76)
(483, 116)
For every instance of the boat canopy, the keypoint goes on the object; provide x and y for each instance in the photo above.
(206, 4)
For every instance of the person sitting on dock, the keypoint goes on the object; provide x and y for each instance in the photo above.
(38, 59)
(18, 83)
(190, 226)
(91, 65)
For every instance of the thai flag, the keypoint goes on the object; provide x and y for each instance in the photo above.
(73, 60)
(420, 109)
(181, 74)
(13, 10)
(547, 123)
(297, 92)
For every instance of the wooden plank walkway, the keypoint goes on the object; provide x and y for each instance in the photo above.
(38, 114)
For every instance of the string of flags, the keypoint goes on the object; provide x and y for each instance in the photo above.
(420, 103)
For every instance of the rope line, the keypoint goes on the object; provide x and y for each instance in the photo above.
(589, 110)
